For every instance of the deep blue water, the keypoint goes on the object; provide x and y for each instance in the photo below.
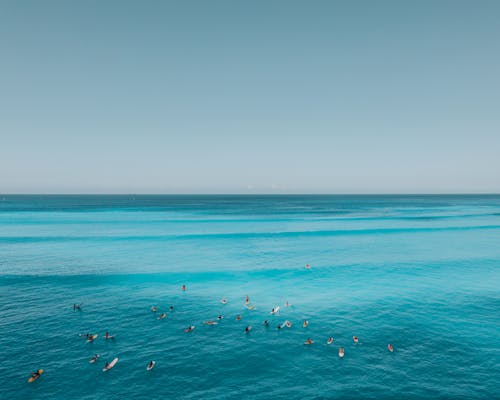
(420, 272)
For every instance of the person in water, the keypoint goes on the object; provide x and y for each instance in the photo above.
(266, 323)
(238, 317)
(183, 288)
(171, 308)
(35, 375)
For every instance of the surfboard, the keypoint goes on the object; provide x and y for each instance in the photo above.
(34, 378)
(110, 365)
(150, 367)
(92, 338)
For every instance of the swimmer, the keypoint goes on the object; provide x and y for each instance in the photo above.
(162, 315)
(184, 288)
(309, 341)
(223, 300)
(154, 308)
(390, 347)
(94, 358)
(341, 352)
(189, 329)
(210, 323)
(248, 329)
(305, 324)
(355, 339)
(329, 340)
(238, 318)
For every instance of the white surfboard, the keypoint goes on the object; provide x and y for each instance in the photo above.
(110, 365)
(92, 338)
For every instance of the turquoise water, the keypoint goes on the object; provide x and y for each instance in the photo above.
(420, 272)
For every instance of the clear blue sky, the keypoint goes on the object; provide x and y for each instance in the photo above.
(249, 96)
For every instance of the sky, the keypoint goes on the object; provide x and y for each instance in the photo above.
(250, 96)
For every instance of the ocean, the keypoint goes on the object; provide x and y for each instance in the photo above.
(419, 272)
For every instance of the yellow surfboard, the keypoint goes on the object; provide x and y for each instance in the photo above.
(34, 378)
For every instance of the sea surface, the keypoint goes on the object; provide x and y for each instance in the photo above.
(419, 272)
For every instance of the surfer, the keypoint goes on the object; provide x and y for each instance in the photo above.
(248, 329)
(309, 341)
(94, 358)
(184, 288)
(210, 323)
(35, 375)
(189, 329)
(77, 306)
(247, 300)
(151, 365)
(305, 324)
(106, 365)
(308, 266)
(390, 347)
(162, 315)
(220, 317)
(108, 336)
(287, 304)
(266, 323)
(154, 308)
(238, 317)
(223, 300)
(355, 339)
(341, 352)
(329, 340)
(171, 308)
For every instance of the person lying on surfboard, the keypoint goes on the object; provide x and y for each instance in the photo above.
(35, 375)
